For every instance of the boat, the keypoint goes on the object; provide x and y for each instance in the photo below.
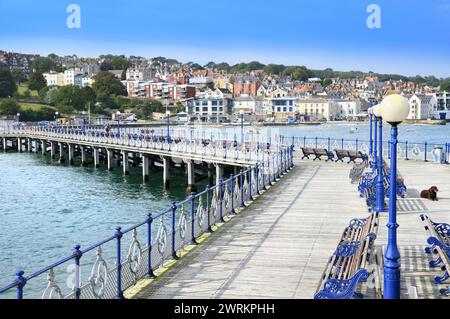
(353, 129)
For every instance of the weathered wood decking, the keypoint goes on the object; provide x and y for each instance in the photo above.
(278, 247)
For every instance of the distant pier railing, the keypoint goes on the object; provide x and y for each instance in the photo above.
(214, 148)
(407, 150)
(104, 270)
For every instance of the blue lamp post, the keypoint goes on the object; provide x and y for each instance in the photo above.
(168, 126)
(379, 203)
(370, 111)
(394, 109)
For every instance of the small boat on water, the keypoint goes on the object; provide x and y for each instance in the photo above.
(353, 129)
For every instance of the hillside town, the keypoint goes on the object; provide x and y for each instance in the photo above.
(219, 93)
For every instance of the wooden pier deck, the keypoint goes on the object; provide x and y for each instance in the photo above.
(276, 248)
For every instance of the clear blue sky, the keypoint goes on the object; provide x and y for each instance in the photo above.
(414, 38)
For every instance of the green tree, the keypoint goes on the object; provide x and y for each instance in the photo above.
(445, 86)
(42, 64)
(106, 84)
(18, 76)
(7, 84)
(274, 68)
(326, 82)
(119, 63)
(9, 107)
(36, 81)
(69, 96)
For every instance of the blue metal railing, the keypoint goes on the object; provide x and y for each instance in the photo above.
(165, 234)
(407, 150)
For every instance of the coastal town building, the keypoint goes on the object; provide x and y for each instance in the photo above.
(159, 90)
(442, 109)
(421, 106)
(54, 78)
(247, 104)
(283, 108)
(138, 74)
(349, 109)
(209, 109)
(319, 109)
(246, 85)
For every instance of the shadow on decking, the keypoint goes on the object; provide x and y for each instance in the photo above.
(405, 205)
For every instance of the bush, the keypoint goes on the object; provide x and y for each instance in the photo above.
(9, 107)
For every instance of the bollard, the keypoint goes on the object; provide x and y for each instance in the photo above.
(119, 235)
(425, 152)
(150, 273)
(249, 171)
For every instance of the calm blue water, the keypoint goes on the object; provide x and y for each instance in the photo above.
(46, 207)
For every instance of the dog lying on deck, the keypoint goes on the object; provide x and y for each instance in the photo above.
(430, 194)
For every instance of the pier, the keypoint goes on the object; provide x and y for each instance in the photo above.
(267, 230)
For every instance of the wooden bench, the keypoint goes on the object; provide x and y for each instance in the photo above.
(438, 236)
(351, 155)
(319, 152)
(347, 266)
(356, 172)
(307, 152)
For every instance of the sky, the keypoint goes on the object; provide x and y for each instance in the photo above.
(414, 37)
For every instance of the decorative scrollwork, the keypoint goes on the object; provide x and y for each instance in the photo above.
(182, 223)
(200, 213)
(161, 237)
(347, 248)
(134, 253)
(52, 291)
(99, 275)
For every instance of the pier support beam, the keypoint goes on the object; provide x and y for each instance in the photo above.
(43, 148)
(5, 144)
(109, 156)
(29, 145)
(166, 172)
(145, 167)
(53, 150)
(210, 174)
(219, 173)
(190, 177)
(125, 163)
(19, 145)
(96, 157)
(70, 148)
(61, 153)
(36, 146)
(83, 155)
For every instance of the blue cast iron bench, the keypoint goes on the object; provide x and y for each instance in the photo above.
(439, 245)
(347, 267)
(351, 155)
(356, 172)
(318, 153)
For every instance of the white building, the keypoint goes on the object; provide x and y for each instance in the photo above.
(69, 76)
(139, 74)
(54, 78)
(420, 106)
(248, 104)
(442, 109)
(318, 109)
(209, 109)
(348, 108)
